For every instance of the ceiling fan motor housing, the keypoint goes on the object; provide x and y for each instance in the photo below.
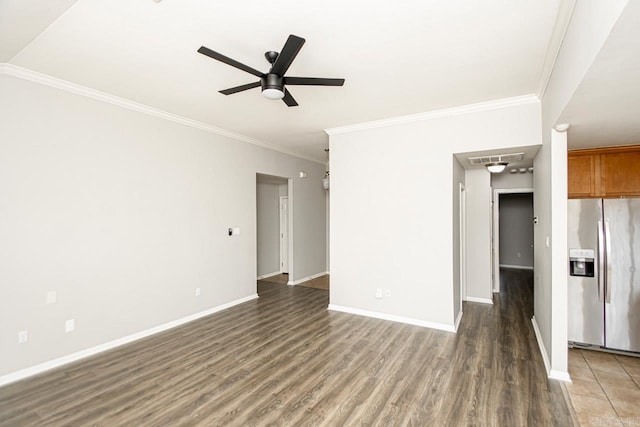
(272, 81)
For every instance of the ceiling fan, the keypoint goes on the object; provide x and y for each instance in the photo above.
(273, 83)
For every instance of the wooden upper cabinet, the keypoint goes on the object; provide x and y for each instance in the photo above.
(583, 176)
(620, 174)
(604, 172)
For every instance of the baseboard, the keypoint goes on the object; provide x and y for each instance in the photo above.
(393, 318)
(480, 300)
(458, 319)
(516, 267)
(559, 375)
(551, 373)
(264, 276)
(306, 279)
(543, 350)
(55, 363)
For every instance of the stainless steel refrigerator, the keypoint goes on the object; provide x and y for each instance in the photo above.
(604, 273)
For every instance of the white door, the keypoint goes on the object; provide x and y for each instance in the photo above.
(284, 234)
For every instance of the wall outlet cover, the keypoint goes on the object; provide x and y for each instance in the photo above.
(69, 325)
(197, 292)
(23, 337)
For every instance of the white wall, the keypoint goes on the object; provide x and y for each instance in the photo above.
(124, 215)
(508, 180)
(392, 208)
(268, 227)
(479, 287)
(516, 230)
(589, 28)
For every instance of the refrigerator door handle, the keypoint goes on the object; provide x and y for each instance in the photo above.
(601, 259)
(607, 244)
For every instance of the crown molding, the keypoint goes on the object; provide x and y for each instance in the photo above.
(563, 18)
(437, 114)
(54, 82)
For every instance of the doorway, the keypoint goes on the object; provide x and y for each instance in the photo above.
(273, 227)
(512, 231)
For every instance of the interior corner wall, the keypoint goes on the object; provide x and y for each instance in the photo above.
(478, 189)
(268, 228)
(124, 214)
(458, 178)
(590, 25)
(396, 232)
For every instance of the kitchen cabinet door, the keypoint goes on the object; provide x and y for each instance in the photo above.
(583, 176)
(620, 172)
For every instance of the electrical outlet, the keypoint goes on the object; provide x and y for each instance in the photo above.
(519, 254)
(236, 231)
(52, 297)
(197, 292)
(379, 293)
(69, 325)
(23, 337)
(387, 293)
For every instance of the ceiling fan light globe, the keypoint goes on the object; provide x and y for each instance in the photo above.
(273, 93)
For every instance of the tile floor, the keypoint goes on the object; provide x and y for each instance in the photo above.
(605, 389)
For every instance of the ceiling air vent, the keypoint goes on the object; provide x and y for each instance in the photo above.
(484, 160)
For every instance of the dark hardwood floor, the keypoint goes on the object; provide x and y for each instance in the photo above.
(285, 360)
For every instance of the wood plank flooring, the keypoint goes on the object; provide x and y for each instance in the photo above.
(285, 360)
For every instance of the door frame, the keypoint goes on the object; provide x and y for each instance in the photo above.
(495, 240)
(463, 242)
(284, 234)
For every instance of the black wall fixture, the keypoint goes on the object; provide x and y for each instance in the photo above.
(273, 83)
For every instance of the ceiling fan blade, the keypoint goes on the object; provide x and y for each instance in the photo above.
(288, 99)
(237, 89)
(312, 81)
(220, 57)
(287, 55)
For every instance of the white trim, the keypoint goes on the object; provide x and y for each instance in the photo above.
(437, 114)
(516, 267)
(551, 373)
(306, 279)
(559, 375)
(265, 276)
(462, 199)
(563, 18)
(34, 76)
(458, 319)
(393, 318)
(480, 300)
(55, 363)
(495, 254)
(281, 231)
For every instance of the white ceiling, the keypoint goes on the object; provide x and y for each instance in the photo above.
(397, 57)
(605, 109)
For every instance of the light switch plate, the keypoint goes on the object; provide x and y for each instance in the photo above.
(236, 231)
(69, 325)
(52, 297)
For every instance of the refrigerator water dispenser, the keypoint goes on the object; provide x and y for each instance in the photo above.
(581, 262)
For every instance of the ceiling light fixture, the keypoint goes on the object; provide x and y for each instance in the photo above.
(273, 93)
(496, 167)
